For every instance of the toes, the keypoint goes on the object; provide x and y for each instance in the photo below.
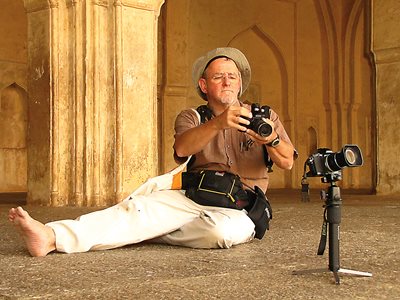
(17, 214)
(11, 214)
(21, 212)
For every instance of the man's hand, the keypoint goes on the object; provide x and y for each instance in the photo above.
(261, 140)
(233, 117)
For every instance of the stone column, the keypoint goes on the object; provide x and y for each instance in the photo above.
(386, 48)
(42, 90)
(176, 75)
(136, 92)
(92, 99)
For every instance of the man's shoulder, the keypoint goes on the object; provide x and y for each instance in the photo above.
(188, 111)
(188, 115)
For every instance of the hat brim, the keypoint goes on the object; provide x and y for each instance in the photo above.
(234, 54)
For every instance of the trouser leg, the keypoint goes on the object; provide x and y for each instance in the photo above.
(131, 221)
(214, 228)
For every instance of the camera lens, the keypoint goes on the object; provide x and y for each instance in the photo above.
(263, 128)
(350, 156)
(332, 163)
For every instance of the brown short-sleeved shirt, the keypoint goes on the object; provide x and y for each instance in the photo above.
(226, 152)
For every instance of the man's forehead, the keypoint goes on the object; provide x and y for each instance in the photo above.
(222, 64)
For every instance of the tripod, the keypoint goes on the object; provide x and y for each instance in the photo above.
(333, 204)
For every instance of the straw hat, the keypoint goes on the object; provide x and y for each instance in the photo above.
(237, 56)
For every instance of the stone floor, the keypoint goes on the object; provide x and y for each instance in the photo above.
(370, 240)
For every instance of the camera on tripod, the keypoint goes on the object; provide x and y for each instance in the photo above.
(328, 164)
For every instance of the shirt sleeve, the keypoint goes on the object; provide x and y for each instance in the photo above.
(186, 120)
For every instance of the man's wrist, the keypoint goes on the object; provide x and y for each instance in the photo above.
(275, 142)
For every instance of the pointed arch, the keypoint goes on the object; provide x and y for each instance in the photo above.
(267, 40)
(14, 117)
(13, 139)
(312, 140)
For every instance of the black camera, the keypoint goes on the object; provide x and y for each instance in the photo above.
(257, 124)
(325, 162)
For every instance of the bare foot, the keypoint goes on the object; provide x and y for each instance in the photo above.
(39, 239)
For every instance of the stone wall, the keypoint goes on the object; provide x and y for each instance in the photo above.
(13, 97)
(386, 47)
(85, 118)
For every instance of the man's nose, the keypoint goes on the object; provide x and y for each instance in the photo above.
(226, 80)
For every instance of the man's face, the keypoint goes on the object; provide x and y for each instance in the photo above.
(222, 82)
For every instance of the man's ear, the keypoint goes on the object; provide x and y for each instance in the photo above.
(203, 85)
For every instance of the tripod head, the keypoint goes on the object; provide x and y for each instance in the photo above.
(332, 177)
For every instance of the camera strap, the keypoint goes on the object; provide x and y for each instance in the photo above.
(305, 191)
(206, 114)
(324, 232)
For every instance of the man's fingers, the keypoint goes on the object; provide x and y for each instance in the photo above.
(242, 120)
(256, 137)
(235, 117)
(245, 112)
(269, 121)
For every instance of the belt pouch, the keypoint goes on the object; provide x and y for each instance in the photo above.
(215, 188)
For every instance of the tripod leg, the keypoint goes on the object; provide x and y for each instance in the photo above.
(334, 263)
(334, 215)
(337, 279)
(355, 273)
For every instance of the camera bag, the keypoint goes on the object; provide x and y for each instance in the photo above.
(214, 188)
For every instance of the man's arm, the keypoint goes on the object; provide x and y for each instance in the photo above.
(283, 154)
(195, 139)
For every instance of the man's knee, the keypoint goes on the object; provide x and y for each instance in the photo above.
(220, 237)
(231, 231)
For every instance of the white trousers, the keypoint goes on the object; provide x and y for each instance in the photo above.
(165, 216)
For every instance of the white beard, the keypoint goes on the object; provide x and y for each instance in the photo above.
(228, 98)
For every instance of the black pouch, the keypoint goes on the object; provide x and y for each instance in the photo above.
(259, 211)
(223, 189)
(216, 188)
